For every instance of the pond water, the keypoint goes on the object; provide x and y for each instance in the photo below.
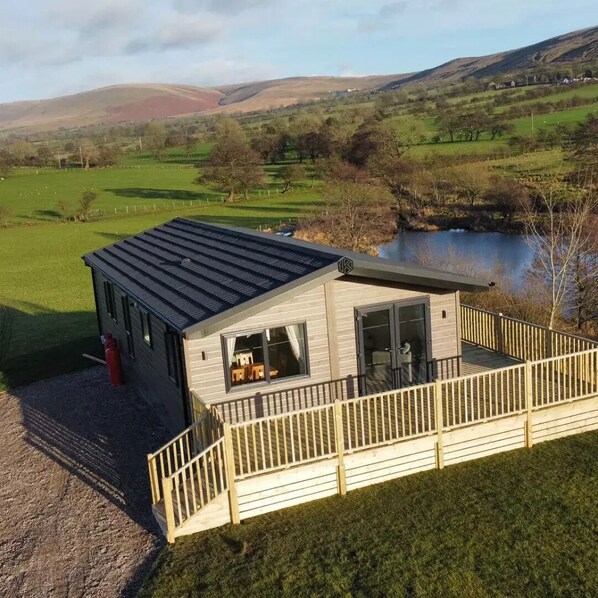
(483, 251)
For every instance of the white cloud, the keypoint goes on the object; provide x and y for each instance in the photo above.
(52, 47)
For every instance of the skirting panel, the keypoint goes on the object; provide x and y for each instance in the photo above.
(482, 440)
(564, 420)
(286, 488)
(388, 462)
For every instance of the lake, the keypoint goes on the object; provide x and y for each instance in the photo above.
(484, 250)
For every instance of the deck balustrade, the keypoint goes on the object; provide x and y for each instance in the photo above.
(239, 440)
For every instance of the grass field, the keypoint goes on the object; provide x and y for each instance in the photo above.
(43, 279)
(523, 523)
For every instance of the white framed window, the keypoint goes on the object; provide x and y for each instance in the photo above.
(266, 355)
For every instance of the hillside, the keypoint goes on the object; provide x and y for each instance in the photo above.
(117, 103)
(142, 102)
(578, 46)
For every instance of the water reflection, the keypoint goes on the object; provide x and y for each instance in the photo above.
(485, 251)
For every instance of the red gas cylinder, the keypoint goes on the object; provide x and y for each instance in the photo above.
(112, 355)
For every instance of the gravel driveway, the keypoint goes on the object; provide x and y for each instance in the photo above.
(75, 516)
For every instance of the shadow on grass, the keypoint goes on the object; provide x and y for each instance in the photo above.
(160, 194)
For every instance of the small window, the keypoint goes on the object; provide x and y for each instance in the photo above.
(266, 355)
(146, 328)
(171, 340)
(110, 303)
(126, 307)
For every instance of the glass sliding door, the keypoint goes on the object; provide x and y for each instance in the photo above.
(375, 349)
(392, 346)
(413, 344)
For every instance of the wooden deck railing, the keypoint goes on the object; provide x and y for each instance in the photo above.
(207, 458)
(516, 338)
(279, 441)
(388, 417)
(194, 485)
(181, 450)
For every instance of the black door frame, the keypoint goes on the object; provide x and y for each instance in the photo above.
(395, 339)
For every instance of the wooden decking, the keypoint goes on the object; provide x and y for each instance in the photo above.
(477, 360)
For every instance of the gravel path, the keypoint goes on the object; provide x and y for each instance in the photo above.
(75, 516)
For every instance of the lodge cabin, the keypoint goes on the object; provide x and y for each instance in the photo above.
(245, 318)
(288, 371)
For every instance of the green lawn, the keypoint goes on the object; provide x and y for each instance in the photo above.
(46, 284)
(523, 523)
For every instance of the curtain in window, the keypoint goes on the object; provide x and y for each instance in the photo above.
(231, 342)
(294, 332)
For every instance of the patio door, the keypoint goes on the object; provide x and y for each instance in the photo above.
(392, 346)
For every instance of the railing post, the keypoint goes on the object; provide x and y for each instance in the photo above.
(529, 404)
(500, 341)
(548, 343)
(168, 509)
(153, 476)
(229, 458)
(339, 434)
(439, 423)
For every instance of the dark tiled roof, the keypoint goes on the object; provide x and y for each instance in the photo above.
(187, 271)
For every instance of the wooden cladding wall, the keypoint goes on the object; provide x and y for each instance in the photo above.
(351, 294)
(148, 369)
(205, 358)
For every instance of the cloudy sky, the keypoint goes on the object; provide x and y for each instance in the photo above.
(55, 47)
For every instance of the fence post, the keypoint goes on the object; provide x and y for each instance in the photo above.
(439, 423)
(229, 458)
(339, 435)
(548, 343)
(168, 509)
(529, 404)
(500, 342)
(153, 475)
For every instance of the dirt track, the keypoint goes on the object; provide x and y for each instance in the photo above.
(74, 497)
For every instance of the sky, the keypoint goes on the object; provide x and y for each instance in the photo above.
(56, 47)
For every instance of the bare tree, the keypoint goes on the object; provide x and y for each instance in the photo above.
(356, 216)
(233, 166)
(290, 175)
(559, 230)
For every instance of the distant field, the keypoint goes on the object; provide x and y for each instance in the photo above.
(138, 185)
(44, 280)
(565, 117)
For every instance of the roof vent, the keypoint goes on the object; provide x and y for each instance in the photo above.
(185, 261)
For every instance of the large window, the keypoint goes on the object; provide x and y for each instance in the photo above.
(110, 303)
(266, 355)
(126, 306)
(146, 328)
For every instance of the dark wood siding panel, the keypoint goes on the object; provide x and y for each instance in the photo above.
(148, 371)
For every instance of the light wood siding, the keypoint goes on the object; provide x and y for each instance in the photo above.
(386, 463)
(276, 491)
(207, 376)
(148, 372)
(563, 420)
(350, 294)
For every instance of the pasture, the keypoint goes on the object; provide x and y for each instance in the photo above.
(44, 281)
(516, 524)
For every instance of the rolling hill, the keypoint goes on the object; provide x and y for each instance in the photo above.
(143, 102)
